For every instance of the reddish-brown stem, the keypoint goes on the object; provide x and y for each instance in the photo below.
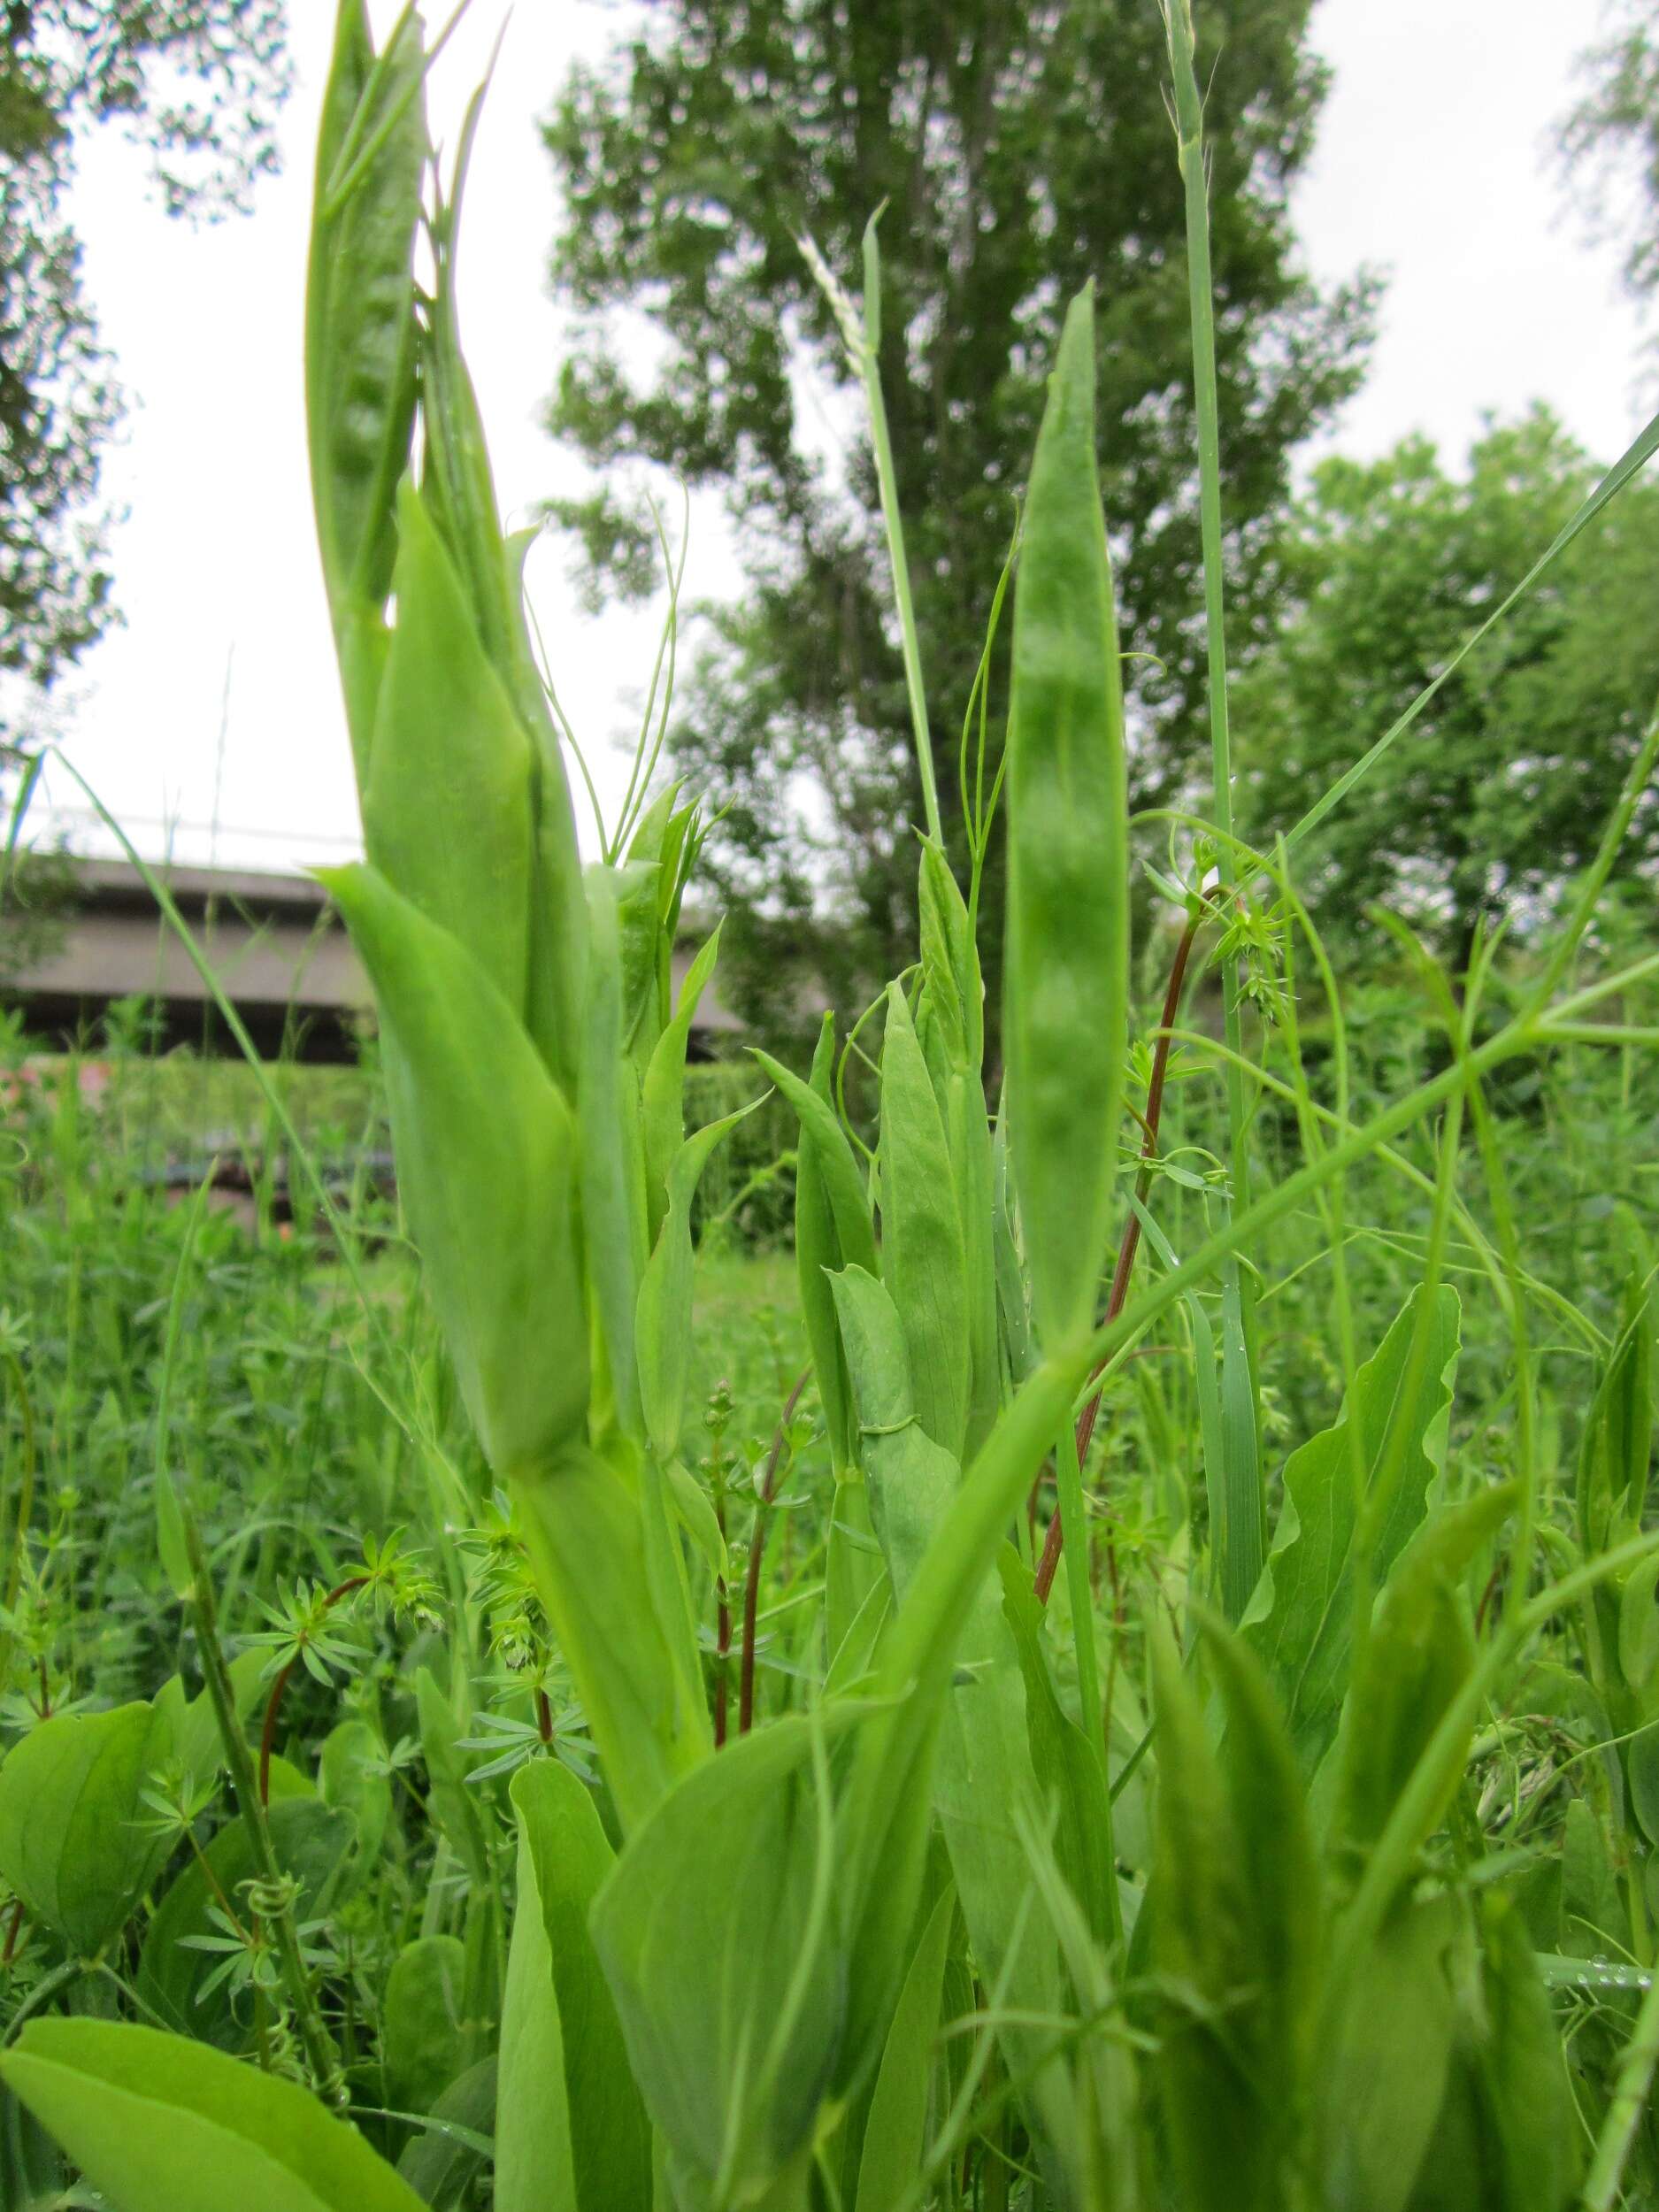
(543, 1715)
(1054, 1539)
(274, 1704)
(756, 1543)
(722, 1633)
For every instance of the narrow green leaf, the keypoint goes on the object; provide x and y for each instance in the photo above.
(898, 2122)
(570, 2133)
(663, 1326)
(486, 1169)
(445, 809)
(664, 1091)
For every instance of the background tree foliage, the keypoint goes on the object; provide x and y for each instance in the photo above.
(1610, 136)
(197, 83)
(1503, 787)
(1019, 149)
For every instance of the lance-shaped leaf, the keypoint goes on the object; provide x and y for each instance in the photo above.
(984, 1773)
(360, 336)
(1300, 1621)
(1066, 993)
(571, 2132)
(665, 1087)
(158, 2124)
(1234, 1934)
(1417, 1655)
(898, 2122)
(446, 812)
(584, 1529)
(663, 1336)
(922, 1261)
(613, 1179)
(486, 1167)
(718, 1935)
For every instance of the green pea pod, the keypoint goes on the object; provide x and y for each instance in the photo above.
(486, 1164)
(1066, 992)
(922, 1259)
(360, 339)
(446, 812)
(664, 1085)
(663, 1335)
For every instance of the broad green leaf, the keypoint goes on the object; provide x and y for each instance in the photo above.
(1300, 1621)
(584, 1529)
(897, 2121)
(161, 2124)
(1234, 1932)
(446, 810)
(922, 1260)
(718, 1935)
(485, 1149)
(662, 1325)
(663, 1089)
(72, 1845)
(1065, 996)
(1639, 1625)
(312, 1842)
(423, 2039)
(1382, 2068)
(570, 2130)
(1419, 1653)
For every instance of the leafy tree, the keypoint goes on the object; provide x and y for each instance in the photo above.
(1610, 136)
(1503, 787)
(197, 82)
(1019, 150)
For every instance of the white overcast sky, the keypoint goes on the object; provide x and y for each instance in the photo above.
(1433, 161)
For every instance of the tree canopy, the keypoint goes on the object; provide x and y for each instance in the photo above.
(1504, 786)
(196, 83)
(1017, 150)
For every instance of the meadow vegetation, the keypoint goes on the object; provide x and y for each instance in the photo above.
(1111, 1662)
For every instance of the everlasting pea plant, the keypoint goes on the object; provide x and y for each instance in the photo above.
(892, 1945)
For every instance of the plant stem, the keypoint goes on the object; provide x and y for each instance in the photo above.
(1189, 128)
(320, 2055)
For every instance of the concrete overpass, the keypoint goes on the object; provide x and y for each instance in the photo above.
(279, 949)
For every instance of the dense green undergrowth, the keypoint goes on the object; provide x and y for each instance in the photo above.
(1122, 1672)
